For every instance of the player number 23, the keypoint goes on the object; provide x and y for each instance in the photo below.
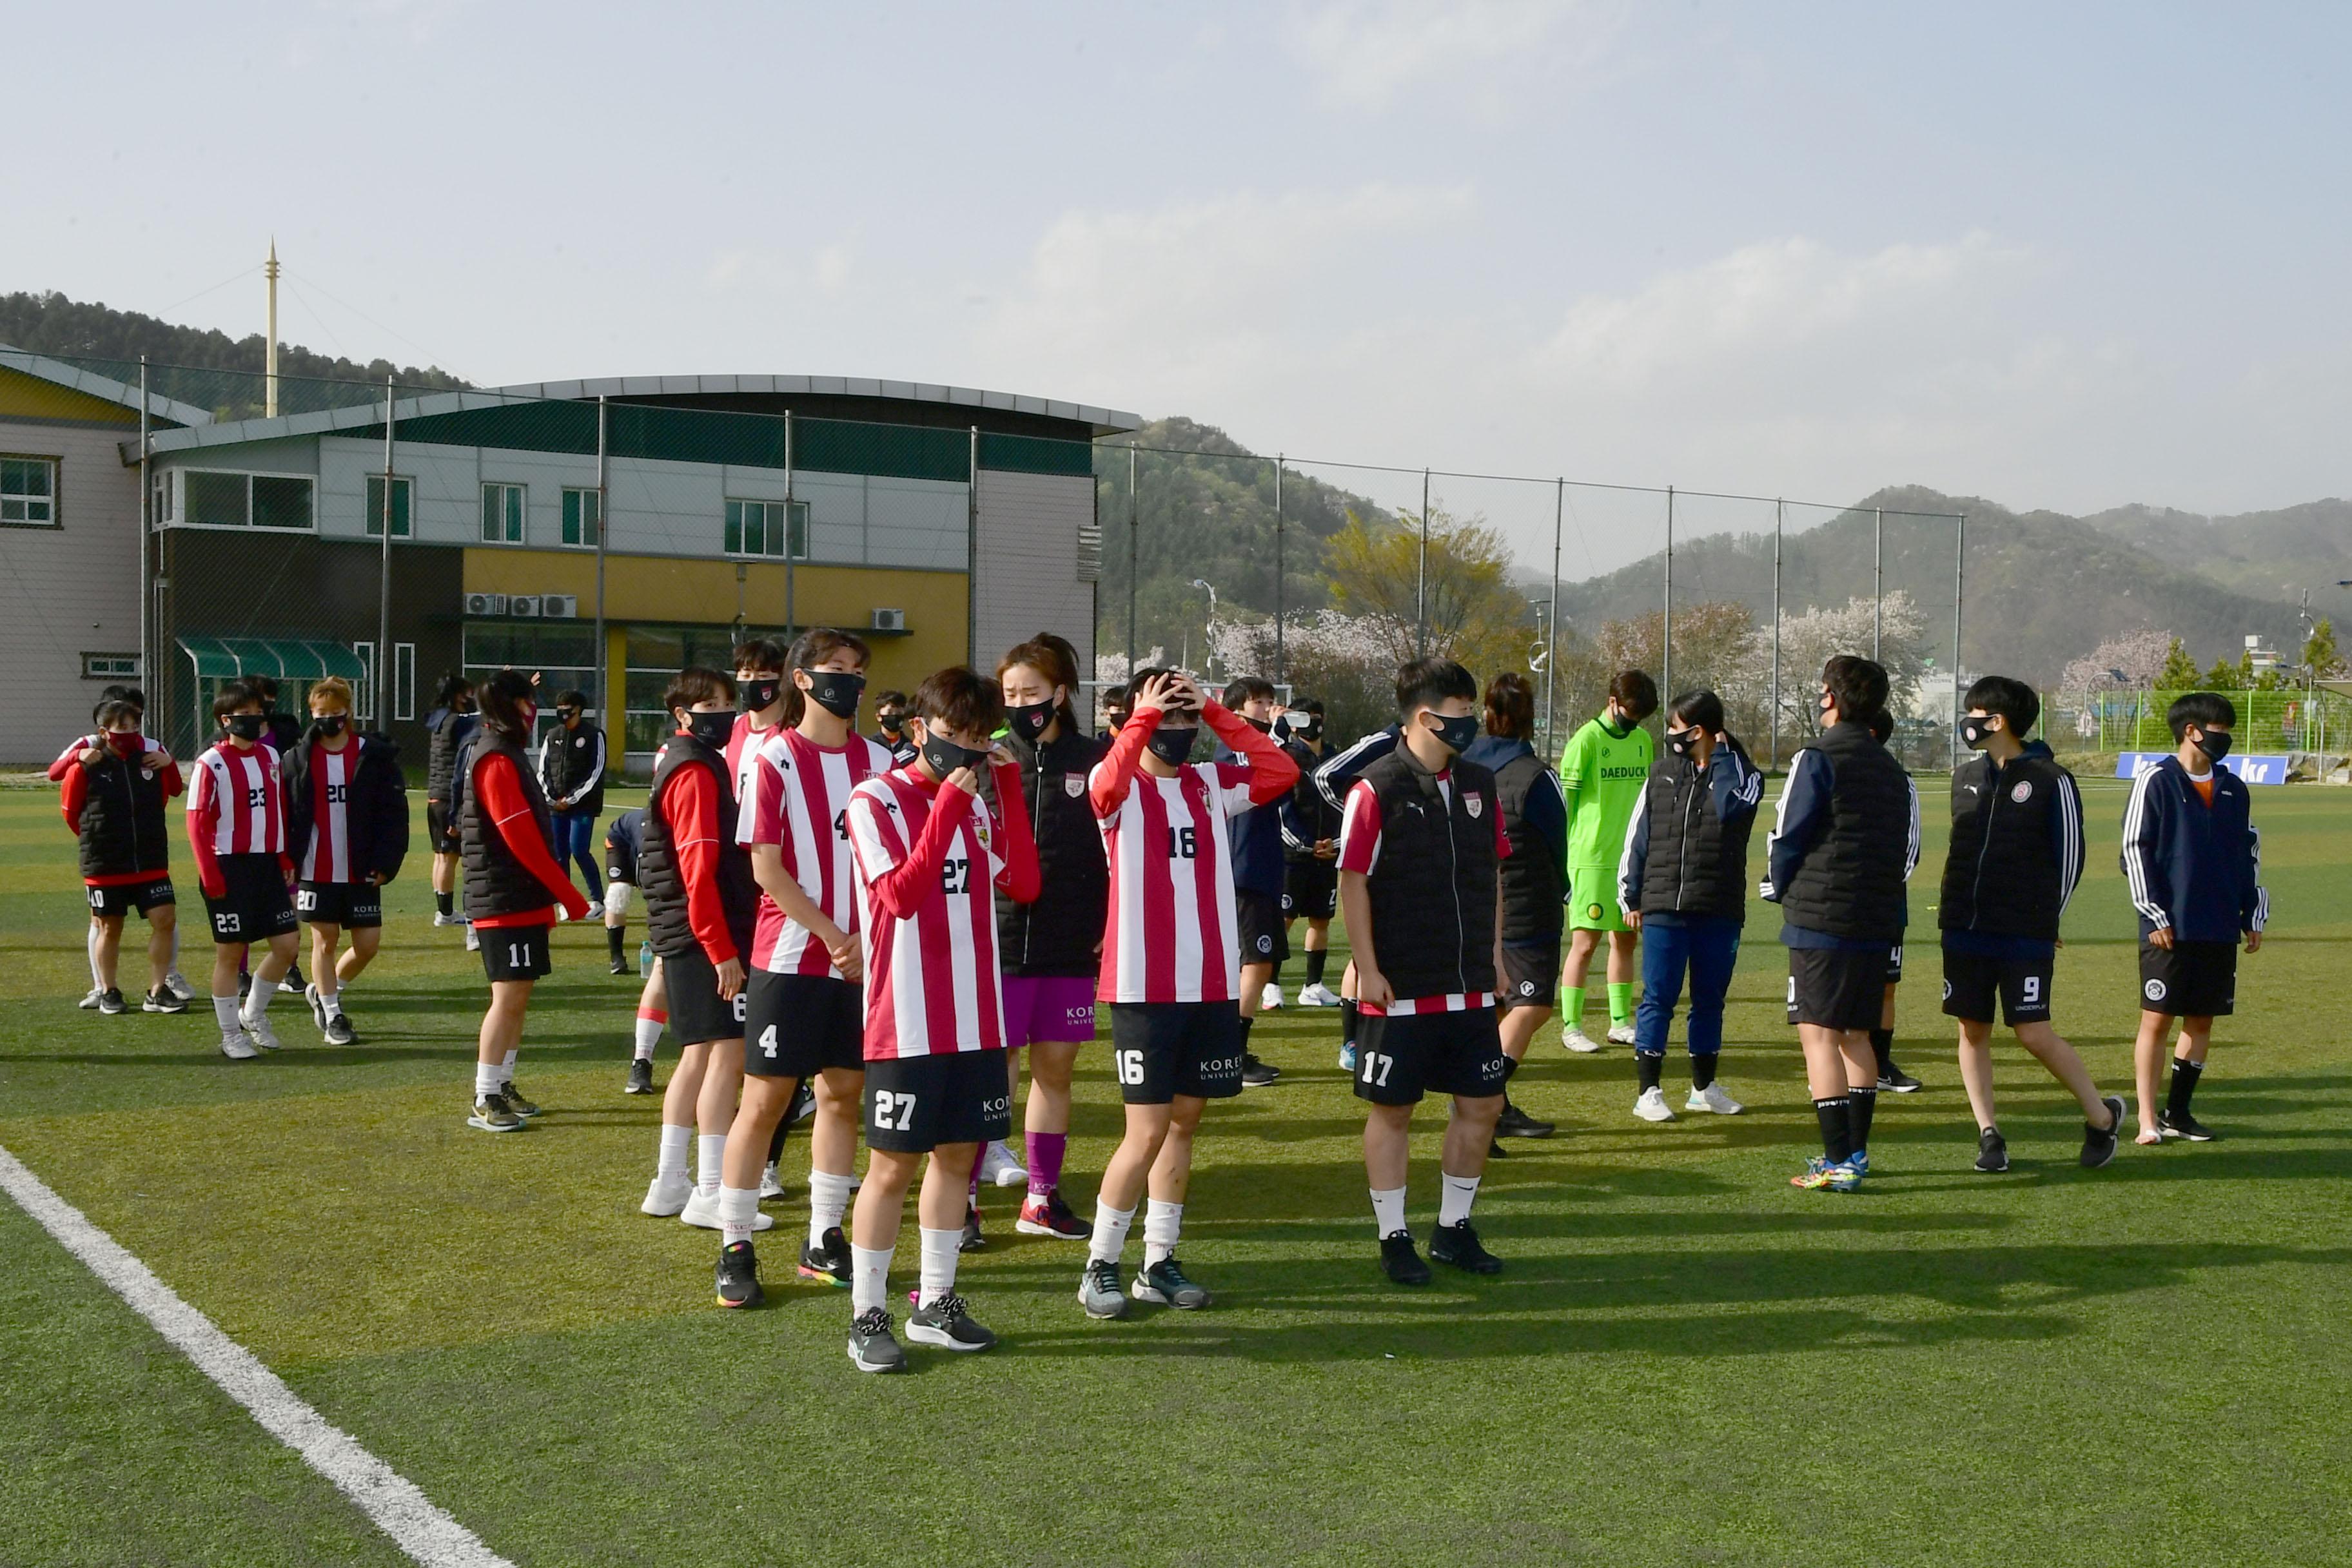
(893, 1111)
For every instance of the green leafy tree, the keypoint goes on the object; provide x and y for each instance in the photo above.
(1474, 615)
(2180, 672)
(2222, 676)
(2319, 652)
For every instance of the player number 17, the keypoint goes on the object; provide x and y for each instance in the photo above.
(1376, 1069)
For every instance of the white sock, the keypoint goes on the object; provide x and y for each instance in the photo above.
(97, 981)
(486, 1079)
(739, 1209)
(938, 1267)
(1162, 1222)
(710, 1152)
(507, 1067)
(1388, 1211)
(333, 1001)
(675, 1143)
(828, 1201)
(649, 1034)
(257, 1001)
(224, 1009)
(1110, 1233)
(1454, 1198)
(869, 1279)
(173, 962)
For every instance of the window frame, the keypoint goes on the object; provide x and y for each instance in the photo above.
(517, 515)
(403, 680)
(177, 505)
(735, 517)
(127, 663)
(403, 507)
(56, 465)
(363, 692)
(573, 519)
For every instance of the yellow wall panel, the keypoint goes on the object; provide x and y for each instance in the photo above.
(25, 396)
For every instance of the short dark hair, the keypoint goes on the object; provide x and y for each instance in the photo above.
(233, 694)
(503, 693)
(1245, 689)
(118, 693)
(888, 698)
(264, 686)
(1635, 692)
(961, 698)
(1308, 705)
(1510, 706)
(453, 686)
(1881, 724)
(760, 653)
(2205, 709)
(811, 648)
(2015, 702)
(114, 708)
(1138, 681)
(1857, 685)
(570, 697)
(1698, 710)
(695, 683)
(1421, 682)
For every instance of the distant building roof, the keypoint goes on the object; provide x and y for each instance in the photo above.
(1103, 421)
(96, 385)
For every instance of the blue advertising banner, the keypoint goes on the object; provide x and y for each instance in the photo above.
(2254, 770)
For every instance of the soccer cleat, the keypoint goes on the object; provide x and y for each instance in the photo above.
(827, 1261)
(772, 1185)
(178, 984)
(110, 1002)
(163, 999)
(972, 1240)
(1818, 1175)
(316, 1005)
(1163, 1284)
(803, 1102)
(1861, 1163)
(1256, 1074)
(948, 1324)
(1348, 1056)
(2099, 1143)
(1713, 1100)
(1457, 1246)
(292, 982)
(1317, 995)
(514, 1098)
(739, 1276)
(338, 1030)
(1401, 1262)
(441, 919)
(1098, 1290)
(1895, 1080)
(2183, 1126)
(236, 1047)
(641, 1076)
(666, 1194)
(871, 1348)
(88, 1004)
(1574, 1037)
(1046, 1215)
(618, 966)
(1001, 1167)
(1516, 1123)
(493, 1114)
(1651, 1106)
(1621, 1034)
(701, 1211)
(1992, 1151)
(261, 1034)
(1270, 999)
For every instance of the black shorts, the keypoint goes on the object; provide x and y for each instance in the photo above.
(515, 952)
(254, 905)
(118, 900)
(914, 1104)
(697, 1013)
(2189, 979)
(1310, 889)
(439, 831)
(354, 905)
(1531, 975)
(1162, 1050)
(620, 862)
(1259, 918)
(1401, 1057)
(1837, 987)
(1895, 964)
(1971, 983)
(799, 1024)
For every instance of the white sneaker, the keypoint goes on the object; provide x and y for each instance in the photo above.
(178, 984)
(259, 1032)
(1270, 999)
(771, 1185)
(441, 919)
(1712, 1098)
(1574, 1037)
(1000, 1166)
(701, 1211)
(287, 985)
(237, 1047)
(1651, 1106)
(1319, 995)
(90, 1003)
(667, 1194)
(473, 938)
(318, 1006)
(1621, 1034)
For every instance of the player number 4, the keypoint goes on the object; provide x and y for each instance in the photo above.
(768, 1042)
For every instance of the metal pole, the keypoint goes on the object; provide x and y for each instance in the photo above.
(1778, 510)
(1666, 627)
(971, 555)
(1134, 533)
(792, 603)
(146, 493)
(603, 526)
(1959, 570)
(380, 697)
(1420, 578)
(1278, 568)
(1877, 581)
(1551, 631)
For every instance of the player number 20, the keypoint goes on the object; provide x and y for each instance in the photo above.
(894, 1111)
(1376, 1069)
(1130, 1066)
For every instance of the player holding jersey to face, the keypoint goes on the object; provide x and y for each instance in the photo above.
(114, 803)
(237, 825)
(1602, 773)
(347, 828)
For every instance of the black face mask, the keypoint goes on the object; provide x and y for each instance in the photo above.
(1310, 731)
(2214, 743)
(836, 690)
(943, 756)
(758, 692)
(1679, 742)
(1457, 734)
(329, 723)
(1172, 746)
(565, 715)
(1029, 719)
(711, 729)
(1263, 726)
(246, 726)
(1975, 733)
(893, 723)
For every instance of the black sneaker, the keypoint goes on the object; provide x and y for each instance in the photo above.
(1516, 1123)
(972, 1240)
(946, 1324)
(1992, 1151)
(522, 1106)
(827, 1262)
(317, 1006)
(1164, 1283)
(1256, 1074)
(871, 1348)
(739, 1276)
(2183, 1126)
(1098, 1290)
(109, 1001)
(292, 982)
(803, 1102)
(1401, 1262)
(493, 1114)
(2099, 1143)
(619, 967)
(1494, 1150)
(1457, 1246)
(641, 1076)
(338, 1031)
(163, 999)
(1895, 1080)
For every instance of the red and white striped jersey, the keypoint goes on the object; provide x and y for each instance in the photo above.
(1172, 935)
(798, 799)
(1359, 851)
(931, 983)
(328, 857)
(236, 801)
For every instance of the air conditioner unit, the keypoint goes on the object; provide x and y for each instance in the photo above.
(523, 605)
(890, 621)
(562, 606)
(486, 604)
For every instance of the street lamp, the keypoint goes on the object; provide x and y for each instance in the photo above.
(1208, 627)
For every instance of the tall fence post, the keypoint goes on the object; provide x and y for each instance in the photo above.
(1420, 578)
(1666, 625)
(1551, 628)
(1780, 510)
(1134, 536)
(1959, 573)
(971, 555)
(1278, 568)
(791, 579)
(379, 700)
(1877, 583)
(146, 495)
(616, 738)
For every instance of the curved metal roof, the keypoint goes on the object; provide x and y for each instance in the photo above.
(1103, 421)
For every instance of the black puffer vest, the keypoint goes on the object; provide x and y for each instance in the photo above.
(571, 756)
(1850, 883)
(441, 752)
(122, 819)
(1433, 890)
(658, 873)
(1696, 864)
(2002, 877)
(496, 882)
(1533, 883)
(1058, 934)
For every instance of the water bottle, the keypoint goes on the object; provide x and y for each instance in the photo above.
(644, 958)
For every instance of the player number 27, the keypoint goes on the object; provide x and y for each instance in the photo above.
(1376, 1069)
(893, 1111)
(955, 874)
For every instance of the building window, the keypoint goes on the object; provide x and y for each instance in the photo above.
(28, 492)
(502, 514)
(215, 499)
(110, 667)
(772, 527)
(364, 694)
(583, 515)
(374, 506)
(403, 680)
(163, 489)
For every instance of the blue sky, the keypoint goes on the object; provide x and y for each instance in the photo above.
(2059, 256)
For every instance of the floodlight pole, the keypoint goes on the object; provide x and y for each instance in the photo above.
(1134, 535)
(1278, 568)
(1420, 578)
(791, 584)
(1551, 631)
(379, 700)
(1778, 510)
(970, 555)
(1666, 625)
(1960, 572)
(146, 494)
(603, 527)
(1877, 583)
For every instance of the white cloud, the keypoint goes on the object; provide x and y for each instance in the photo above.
(1366, 52)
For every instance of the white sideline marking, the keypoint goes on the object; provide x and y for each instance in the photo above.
(397, 1507)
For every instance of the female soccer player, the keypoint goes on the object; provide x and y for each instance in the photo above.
(237, 825)
(347, 830)
(114, 803)
(454, 717)
(1535, 819)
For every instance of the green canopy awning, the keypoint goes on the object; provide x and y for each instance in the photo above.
(283, 658)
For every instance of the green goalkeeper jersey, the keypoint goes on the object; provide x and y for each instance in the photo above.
(1602, 774)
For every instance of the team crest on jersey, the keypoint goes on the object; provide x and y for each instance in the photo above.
(1475, 805)
(2152, 990)
(1592, 911)
(2023, 791)
(1073, 786)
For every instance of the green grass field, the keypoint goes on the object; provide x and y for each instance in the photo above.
(1687, 1361)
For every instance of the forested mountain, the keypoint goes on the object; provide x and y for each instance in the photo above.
(2272, 554)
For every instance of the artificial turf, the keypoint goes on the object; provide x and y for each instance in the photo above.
(1686, 1361)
